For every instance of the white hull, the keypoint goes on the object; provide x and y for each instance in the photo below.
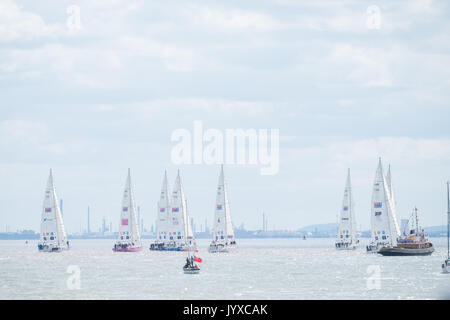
(52, 249)
(372, 249)
(347, 248)
(221, 248)
(191, 271)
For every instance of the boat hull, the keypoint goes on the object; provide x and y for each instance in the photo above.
(52, 249)
(128, 249)
(219, 249)
(154, 248)
(372, 249)
(346, 248)
(446, 266)
(395, 251)
(191, 270)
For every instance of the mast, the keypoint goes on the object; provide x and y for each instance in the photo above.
(350, 204)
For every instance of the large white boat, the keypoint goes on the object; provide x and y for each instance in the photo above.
(53, 236)
(165, 240)
(129, 239)
(346, 237)
(223, 234)
(384, 226)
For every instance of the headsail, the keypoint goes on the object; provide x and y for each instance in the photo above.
(181, 224)
(223, 229)
(164, 214)
(52, 227)
(385, 229)
(128, 225)
(347, 223)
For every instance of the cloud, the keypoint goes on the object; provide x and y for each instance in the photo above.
(17, 24)
(359, 151)
(368, 66)
(13, 132)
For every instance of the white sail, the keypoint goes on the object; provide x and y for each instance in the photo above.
(181, 224)
(347, 224)
(164, 215)
(390, 187)
(223, 229)
(128, 225)
(385, 229)
(53, 233)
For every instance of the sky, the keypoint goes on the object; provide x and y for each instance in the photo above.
(344, 82)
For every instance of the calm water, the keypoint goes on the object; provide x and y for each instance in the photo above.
(258, 269)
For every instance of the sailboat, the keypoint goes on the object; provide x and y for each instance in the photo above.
(181, 227)
(53, 236)
(384, 226)
(446, 264)
(164, 223)
(346, 237)
(223, 234)
(129, 239)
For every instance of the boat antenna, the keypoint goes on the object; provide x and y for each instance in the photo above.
(417, 220)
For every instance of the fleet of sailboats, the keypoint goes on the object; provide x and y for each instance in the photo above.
(174, 230)
(346, 236)
(129, 239)
(223, 234)
(53, 236)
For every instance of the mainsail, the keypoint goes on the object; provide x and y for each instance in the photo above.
(223, 229)
(181, 222)
(385, 229)
(164, 215)
(390, 187)
(128, 226)
(347, 224)
(52, 227)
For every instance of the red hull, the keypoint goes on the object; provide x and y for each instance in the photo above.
(129, 249)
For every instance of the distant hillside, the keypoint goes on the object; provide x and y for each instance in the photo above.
(325, 227)
(436, 231)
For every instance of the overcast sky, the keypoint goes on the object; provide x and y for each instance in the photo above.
(94, 101)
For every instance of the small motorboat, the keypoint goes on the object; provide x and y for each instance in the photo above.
(446, 266)
(191, 266)
(191, 270)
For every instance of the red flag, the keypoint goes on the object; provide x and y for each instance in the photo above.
(198, 259)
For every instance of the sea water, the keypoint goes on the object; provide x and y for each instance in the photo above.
(257, 269)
